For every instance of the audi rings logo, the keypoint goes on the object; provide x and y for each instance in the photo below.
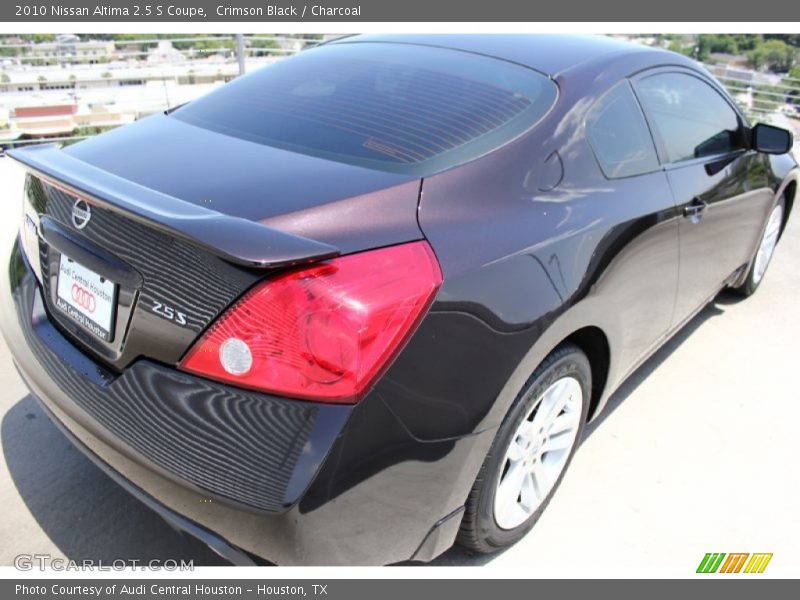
(81, 213)
(83, 298)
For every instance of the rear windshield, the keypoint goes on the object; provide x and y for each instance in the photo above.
(396, 107)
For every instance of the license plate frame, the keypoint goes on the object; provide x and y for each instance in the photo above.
(87, 298)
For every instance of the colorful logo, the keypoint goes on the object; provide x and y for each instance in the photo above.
(719, 562)
(83, 297)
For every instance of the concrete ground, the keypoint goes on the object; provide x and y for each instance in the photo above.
(697, 453)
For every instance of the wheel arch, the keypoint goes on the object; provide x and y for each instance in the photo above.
(590, 325)
(593, 342)
(788, 190)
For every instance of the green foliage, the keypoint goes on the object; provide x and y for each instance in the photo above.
(87, 130)
(677, 46)
(775, 55)
(793, 39)
(38, 38)
(263, 47)
(723, 43)
(774, 52)
(747, 41)
(726, 43)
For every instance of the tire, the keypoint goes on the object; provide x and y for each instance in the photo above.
(758, 267)
(495, 519)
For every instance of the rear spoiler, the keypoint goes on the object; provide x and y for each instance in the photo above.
(236, 240)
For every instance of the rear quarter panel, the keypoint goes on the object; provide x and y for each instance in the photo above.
(534, 244)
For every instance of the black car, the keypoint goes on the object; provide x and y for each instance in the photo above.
(360, 304)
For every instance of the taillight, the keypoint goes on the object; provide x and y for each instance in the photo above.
(324, 332)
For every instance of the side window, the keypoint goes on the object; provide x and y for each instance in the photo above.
(691, 117)
(618, 134)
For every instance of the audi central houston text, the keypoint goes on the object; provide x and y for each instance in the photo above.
(359, 304)
(158, 589)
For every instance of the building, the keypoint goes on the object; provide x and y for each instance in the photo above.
(58, 120)
(68, 49)
(43, 121)
(26, 80)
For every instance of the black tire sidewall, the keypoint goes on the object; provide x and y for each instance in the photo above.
(569, 361)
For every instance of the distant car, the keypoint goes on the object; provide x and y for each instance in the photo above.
(361, 303)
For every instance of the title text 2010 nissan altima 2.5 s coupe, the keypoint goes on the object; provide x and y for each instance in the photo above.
(359, 304)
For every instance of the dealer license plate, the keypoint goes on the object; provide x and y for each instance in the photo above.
(87, 298)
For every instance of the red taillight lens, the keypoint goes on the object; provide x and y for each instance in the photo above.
(324, 332)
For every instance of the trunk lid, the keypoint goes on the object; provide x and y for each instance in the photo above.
(183, 221)
(226, 174)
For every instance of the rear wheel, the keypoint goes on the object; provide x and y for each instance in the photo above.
(530, 453)
(766, 249)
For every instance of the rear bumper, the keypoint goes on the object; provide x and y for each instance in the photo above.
(221, 546)
(293, 482)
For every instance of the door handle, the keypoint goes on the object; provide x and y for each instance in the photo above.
(694, 208)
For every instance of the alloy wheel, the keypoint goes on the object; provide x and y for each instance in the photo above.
(538, 453)
(768, 242)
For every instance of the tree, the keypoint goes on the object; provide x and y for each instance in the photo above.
(106, 74)
(780, 55)
(723, 44)
(262, 47)
(775, 55)
(41, 79)
(677, 46)
(702, 48)
(38, 38)
(4, 78)
(755, 59)
(793, 39)
(747, 41)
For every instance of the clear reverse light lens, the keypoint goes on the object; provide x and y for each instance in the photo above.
(235, 356)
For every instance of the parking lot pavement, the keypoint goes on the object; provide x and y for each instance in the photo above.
(696, 453)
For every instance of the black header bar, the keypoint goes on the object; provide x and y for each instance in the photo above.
(443, 11)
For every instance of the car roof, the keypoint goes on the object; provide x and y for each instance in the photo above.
(547, 53)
